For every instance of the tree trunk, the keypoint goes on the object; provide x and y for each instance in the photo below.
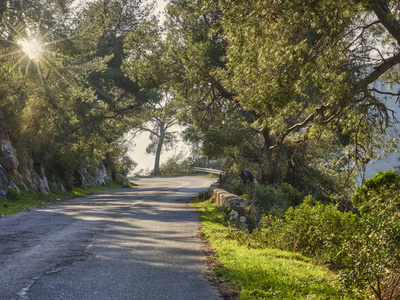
(160, 144)
(269, 164)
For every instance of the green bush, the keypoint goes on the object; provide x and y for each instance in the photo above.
(372, 256)
(375, 189)
(176, 166)
(270, 199)
(13, 195)
(364, 246)
(314, 229)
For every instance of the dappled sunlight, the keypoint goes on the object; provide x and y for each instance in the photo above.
(122, 239)
(31, 47)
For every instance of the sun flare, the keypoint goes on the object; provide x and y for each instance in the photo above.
(31, 47)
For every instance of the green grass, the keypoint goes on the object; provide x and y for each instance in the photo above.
(265, 273)
(18, 202)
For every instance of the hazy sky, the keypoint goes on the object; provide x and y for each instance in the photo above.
(146, 161)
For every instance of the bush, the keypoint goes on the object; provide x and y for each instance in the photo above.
(372, 256)
(314, 229)
(374, 189)
(13, 195)
(270, 199)
(176, 165)
(363, 247)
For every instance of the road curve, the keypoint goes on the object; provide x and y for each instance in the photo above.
(136, 243)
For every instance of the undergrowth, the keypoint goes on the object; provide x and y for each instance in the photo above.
(264, 273)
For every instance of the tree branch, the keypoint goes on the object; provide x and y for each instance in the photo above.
(385, 93)
(298, 126)
(378, 71)
(386, 17)
(99, 118)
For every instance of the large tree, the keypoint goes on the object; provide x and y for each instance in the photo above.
(51, 107)
(301, 72)
(158, 119)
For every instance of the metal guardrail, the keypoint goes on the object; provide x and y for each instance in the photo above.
(206, 170)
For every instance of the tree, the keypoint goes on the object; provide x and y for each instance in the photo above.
(301, 71)
(50, 107)
(313, 66)
(158, 121)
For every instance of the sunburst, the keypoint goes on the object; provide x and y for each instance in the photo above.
(32, 47)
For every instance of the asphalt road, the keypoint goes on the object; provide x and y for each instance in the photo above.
(136, 243)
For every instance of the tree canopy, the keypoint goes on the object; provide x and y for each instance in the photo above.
(59, 105)
(296, 74)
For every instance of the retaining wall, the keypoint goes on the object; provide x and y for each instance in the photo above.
(231, 201)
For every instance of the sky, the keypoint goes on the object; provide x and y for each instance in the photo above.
(145, 161)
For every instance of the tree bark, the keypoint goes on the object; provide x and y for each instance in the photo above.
(269, 163)
(160, 144)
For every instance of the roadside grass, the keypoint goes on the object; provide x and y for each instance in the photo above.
(26, 200)
(264, 273)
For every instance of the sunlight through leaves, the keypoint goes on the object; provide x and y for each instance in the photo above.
(31, 47)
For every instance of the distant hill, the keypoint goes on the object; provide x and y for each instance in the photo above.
(391, 161)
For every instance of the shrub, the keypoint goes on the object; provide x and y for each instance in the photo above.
(372, 256)
(314, 229)
(374, 189)
(363, 247)
(270, 199)
(13, 195)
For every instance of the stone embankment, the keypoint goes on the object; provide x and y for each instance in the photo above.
(19, 171)
(233, 202)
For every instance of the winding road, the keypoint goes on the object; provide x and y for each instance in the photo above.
(139, 243)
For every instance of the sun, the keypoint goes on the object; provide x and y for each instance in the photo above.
(31, 47)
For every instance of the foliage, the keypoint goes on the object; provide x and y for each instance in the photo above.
(265, 273)
(314, 229)
(176, 165)
(376, 187)
(372, 256)
(68, 107)
(290, 103)
(270, 199)
(363, 247)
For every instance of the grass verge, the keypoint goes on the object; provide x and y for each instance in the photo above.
(18, 202)
(264, 273)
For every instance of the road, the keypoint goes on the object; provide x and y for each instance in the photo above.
(139, 243)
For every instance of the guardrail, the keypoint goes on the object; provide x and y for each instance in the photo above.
(206, 170)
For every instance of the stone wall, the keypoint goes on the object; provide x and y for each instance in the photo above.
(233, 202)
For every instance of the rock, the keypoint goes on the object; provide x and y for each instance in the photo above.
(40, 184)
(25, 169)
(3, 183)
(79, 179)
(90, 181)
(61, 186)
(234, 215)
(13, 186)
(8, 157)
(44, 185)
(99, 174)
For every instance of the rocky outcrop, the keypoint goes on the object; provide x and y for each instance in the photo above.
(3, 183)
(100, 174)
(8, 156)
(88, 177)
(30, 177)
(21, 169)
